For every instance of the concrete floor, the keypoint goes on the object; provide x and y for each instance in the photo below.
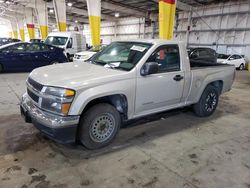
(173, 149)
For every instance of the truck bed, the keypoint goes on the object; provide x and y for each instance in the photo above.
(198, 64)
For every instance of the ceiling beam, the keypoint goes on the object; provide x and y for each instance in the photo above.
(82, 12)
(123, 9)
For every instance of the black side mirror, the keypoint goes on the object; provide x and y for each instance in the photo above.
(149, 68)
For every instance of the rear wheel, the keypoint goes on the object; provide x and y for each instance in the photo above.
(99, 126)
(208, 102)
(241, 67)
(1, 68)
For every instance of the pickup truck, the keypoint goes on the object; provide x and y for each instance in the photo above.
(89, 102)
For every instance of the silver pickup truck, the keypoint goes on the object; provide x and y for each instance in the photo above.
(128, 79)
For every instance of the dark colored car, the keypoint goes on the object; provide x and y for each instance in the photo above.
(202, 55)
(25, 56)
(4, 41)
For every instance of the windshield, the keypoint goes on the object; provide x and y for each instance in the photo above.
(121, 55)
(56, 41)
(223, 56)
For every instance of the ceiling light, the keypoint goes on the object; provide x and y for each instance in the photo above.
(117, 14)
(69, 4)
(7, 2)
(1, 1)
(76, 21)
(51, 10)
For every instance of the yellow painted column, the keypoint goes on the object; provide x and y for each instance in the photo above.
(29, 17)
(166, 18)
(94, 11)
(21, 29)
(14, 28)
(15, 34)
(60, 12)
(42, 16)
(10, 34)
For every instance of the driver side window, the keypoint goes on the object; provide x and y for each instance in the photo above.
(167, 57)
(70, 43)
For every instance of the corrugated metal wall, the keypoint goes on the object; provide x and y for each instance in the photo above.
(224, 27)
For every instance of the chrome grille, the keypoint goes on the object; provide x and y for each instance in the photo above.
(35, 84)
(32, 95)
(33, 90)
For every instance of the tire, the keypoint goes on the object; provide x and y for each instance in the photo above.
(208, 102)
(99, 126)
(241, 67)
(1, 68)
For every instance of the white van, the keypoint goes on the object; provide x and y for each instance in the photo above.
(72, 42)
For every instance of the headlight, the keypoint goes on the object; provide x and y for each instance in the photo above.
(57, 100)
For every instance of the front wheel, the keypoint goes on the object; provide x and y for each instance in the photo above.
(208, 102)
(99, 126)
(241, 67)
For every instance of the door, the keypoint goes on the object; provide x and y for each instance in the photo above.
(18, 58)
(41, 55)
(70, 47)
(159, 91)
(233, 60)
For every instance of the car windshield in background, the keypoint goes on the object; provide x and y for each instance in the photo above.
(57, 41)
(121, 55)
(223, 56)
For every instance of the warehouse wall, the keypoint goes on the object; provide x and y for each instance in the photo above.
(124, 28)
(224, 27)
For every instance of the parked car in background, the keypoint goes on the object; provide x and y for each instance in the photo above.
(202, 55)
(237, 60)
(25, 56)
(80, 57)
(127, 80)
(71, 42)
(4, 41)
(36, 40)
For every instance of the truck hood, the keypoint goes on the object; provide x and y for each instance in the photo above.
(87, 53)
(75, 75)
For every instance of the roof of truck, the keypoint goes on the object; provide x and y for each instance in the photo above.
(153, 41)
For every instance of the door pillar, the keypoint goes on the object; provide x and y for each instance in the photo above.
(166, 18)
(94, 12)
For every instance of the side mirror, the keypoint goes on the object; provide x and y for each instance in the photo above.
(149, 68)
(231, 58)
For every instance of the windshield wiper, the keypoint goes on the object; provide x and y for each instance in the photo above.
(99, 62)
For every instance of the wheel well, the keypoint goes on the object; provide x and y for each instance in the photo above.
(119, 101)
(218, 84)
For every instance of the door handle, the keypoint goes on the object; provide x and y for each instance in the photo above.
(178, 78)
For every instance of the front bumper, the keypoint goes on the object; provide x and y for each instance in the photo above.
(59, 128)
